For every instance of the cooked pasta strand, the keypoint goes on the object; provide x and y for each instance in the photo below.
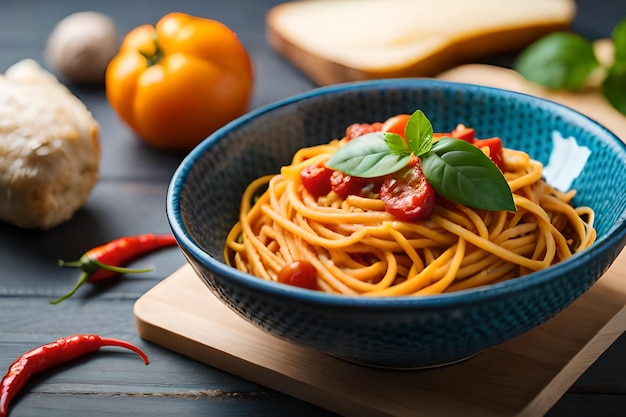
(359, 249)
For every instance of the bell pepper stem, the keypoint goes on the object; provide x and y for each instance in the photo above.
(155, 57)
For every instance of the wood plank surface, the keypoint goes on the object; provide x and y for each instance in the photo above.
(130, 199)
(114, 381)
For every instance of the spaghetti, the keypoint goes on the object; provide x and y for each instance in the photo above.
(358, 248)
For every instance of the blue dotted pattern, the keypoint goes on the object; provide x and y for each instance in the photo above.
(405, 332)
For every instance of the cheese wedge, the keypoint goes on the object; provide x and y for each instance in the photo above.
(335, 41)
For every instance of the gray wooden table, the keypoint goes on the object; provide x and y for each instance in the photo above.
(130, 199)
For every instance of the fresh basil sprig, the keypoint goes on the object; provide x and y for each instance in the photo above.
(564, 60)
(614, 85)
(457, 170)
(461, 172)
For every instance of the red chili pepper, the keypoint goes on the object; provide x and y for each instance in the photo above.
(107, 261)
(52, 354)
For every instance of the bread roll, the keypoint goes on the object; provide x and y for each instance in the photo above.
(335, 41)
(49, 149)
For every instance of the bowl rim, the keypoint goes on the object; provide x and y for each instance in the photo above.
(614, 238)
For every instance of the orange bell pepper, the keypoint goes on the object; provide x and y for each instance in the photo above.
(178, 81)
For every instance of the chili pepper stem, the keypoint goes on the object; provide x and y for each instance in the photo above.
(70, 264)
(84, 277)
(112, 268)
(105, 261)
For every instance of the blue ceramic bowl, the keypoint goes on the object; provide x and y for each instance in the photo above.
(404, 332)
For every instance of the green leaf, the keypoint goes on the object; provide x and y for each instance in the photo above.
(367, 156)
(461, 172)
(619, 42)
(614, 87)
(396, 144)
(419, 133)
(560, 60)
(456, 169)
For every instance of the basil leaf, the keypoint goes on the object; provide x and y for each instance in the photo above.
(419, 133)
(461, 172)
(560, 60)
(619, 42)
(396, 143)
(614, 86)
(367, 156)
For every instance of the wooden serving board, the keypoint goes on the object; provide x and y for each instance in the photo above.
(522, 377)
(336, 41)
(588, 102)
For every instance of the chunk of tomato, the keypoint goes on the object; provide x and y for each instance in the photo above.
(463, 132)
(396, 124)
(359, 129)
(495, 149)
(408, 195)
(316, 179)
(299, 274)
(345, 185)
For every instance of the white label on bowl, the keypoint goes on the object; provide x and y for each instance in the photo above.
(566, 163)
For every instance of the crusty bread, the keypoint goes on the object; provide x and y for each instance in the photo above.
(49, 149)
(335, 41)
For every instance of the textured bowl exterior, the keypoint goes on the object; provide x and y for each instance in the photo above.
(402, 332)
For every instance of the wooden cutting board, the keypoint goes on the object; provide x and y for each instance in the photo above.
(344, 40)
(589, 102)
(522, 377)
